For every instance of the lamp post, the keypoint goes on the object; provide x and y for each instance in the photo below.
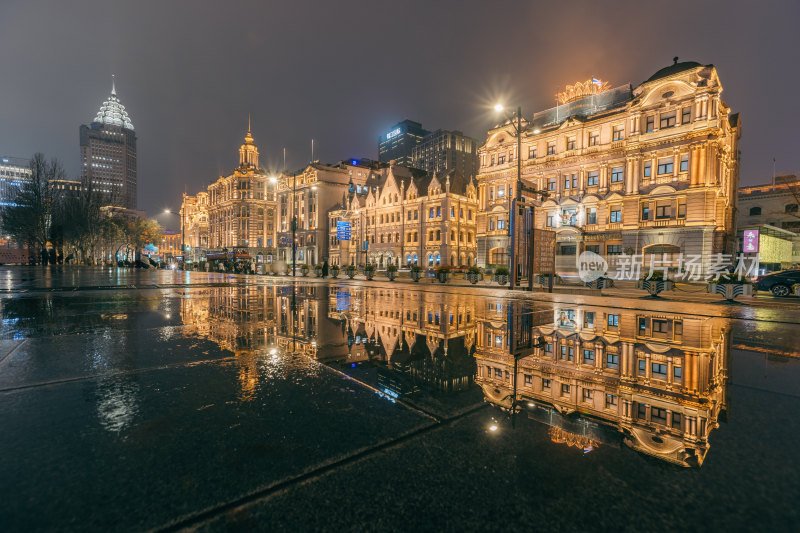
(514, 280)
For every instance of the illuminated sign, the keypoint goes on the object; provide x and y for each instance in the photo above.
(750, 241)
(394, 133)
(343, 230)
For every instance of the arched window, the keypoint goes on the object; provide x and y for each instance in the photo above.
(755, 211)
(408, 259)
(438, 259)
(430, 259)
(415, 259)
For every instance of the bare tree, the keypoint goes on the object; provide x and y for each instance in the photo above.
(30, 220)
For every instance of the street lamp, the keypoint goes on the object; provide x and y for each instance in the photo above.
(518, 198)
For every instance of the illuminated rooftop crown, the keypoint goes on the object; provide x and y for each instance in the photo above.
(113, 112)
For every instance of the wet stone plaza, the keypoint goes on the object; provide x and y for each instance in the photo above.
(151, 401)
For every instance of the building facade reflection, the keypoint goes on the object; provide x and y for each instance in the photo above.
(658, 378)
(596, 375)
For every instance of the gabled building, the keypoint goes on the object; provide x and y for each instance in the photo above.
(408, 217)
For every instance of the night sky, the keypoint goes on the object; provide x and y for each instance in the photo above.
(342, 72)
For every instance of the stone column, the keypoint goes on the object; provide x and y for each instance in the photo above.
(676, 163)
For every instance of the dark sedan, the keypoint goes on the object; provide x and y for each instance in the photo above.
(779, 283)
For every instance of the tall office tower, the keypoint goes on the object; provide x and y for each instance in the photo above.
(444, 150)
(108, 153)
(398, 143)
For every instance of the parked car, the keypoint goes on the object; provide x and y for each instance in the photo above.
(779, 283)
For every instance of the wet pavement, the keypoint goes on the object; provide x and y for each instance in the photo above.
(165, 400)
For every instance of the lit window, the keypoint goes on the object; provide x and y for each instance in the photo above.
(647, 169)
(665, 166)
(612, 360)
(616, 174)
(592, 178)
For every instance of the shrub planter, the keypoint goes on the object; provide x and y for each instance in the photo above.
(334, 272)
(416, 274)
(501, 275)
(369, 271)
(502, 279)
(391, 274)
(599, 283)
(350, 271)
(304, 270)
(443, 276)
(654, 287)
(318, 271)
(730, 290)
(473, 275)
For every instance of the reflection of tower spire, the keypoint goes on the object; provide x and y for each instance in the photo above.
(113, 86)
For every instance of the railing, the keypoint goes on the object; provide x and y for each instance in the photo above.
(664, 222)
(614, 226)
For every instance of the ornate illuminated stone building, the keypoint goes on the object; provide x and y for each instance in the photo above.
(658, 378)
(194, 218)
(310, 194)
(647, 170)
(241, 208)
(407, 217)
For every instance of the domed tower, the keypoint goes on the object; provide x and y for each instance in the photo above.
(108, 154)
(248, 152)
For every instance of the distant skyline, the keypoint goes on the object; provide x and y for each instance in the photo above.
(189, 73)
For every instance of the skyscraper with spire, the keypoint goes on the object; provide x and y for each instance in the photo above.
(108, 153)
